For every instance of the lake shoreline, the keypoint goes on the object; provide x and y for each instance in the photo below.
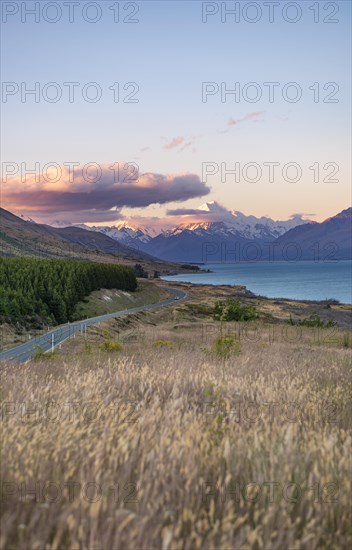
(311, 282)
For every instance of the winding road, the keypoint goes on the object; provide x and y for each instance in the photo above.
(53, 338)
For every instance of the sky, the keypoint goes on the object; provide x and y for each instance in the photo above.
(189, 104)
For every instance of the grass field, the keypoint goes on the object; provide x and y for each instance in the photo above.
(171, 443)
(190, 322)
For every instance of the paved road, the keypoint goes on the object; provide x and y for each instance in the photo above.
(58, 335)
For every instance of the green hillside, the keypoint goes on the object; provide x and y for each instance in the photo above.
(32, 289)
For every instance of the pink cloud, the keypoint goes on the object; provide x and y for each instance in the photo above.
(256, 115)
(99, 198)
(175, 142)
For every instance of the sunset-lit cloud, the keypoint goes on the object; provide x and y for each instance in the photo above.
(175, 142)
(97, 195)
(209, 212)
(257, 115)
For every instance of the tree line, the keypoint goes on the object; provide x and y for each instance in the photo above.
(48, 290)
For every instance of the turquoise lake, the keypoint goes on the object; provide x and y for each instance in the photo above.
(295, 280)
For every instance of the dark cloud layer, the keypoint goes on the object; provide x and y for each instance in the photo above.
(94, 201)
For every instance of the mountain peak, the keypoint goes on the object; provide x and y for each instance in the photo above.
(212, 206)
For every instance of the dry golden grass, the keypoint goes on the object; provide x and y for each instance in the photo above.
(184, 449)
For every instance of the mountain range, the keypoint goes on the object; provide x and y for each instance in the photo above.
(188, 242)
(221, 236)
(233, 236)
(328, 240)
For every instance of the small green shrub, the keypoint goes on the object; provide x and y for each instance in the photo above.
(313, 320)
(209, 389)
(109, 346)
(225, 346)
(346, 340)
(232, 310)
(87, 347)
(40, 354)
(163, 344)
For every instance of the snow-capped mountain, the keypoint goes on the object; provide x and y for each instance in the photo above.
(223, 221)
(223, 235)
(123, 233)
(126, 234)
(216, 233)
(186, 242)
(250, 227)
(214, 221)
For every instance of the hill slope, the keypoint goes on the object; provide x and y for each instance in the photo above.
(29, 238)
(24, 238)
(328, 240)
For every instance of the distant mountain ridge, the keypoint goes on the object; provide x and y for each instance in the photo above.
(20, 236)
(325, 241)
(233, 236)
(226, 237)
(246, 226)
(186, 242)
